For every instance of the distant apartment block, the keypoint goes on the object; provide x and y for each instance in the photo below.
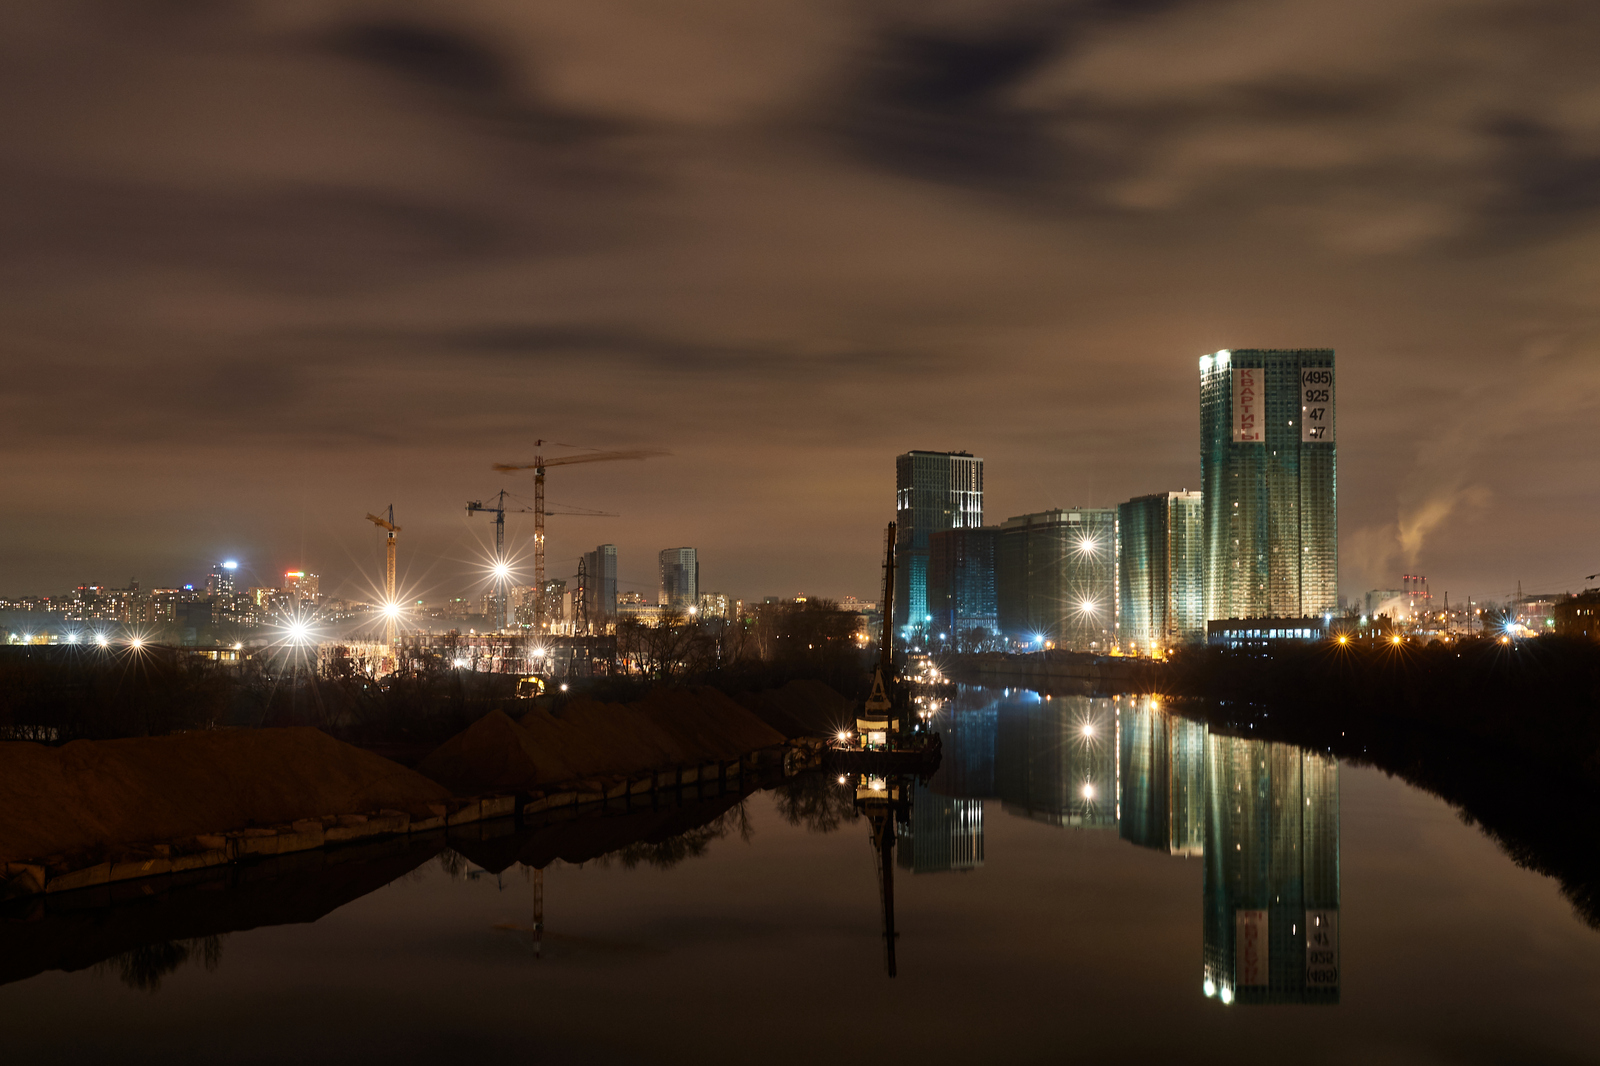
(600, 584)
(680, 578)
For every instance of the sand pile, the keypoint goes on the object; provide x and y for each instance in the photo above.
(803, 709)
(590, 739)
(93, 793)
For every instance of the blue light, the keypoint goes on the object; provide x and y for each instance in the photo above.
(230, 564)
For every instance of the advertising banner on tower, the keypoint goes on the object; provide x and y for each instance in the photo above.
(1248, 397)
(1250, 948)
(1316, 403)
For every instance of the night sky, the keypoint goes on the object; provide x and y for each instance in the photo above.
(269, 266)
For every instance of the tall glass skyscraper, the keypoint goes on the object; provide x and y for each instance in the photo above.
(1056, 578)
(1269, 474)
(933, 491)
(680, 578)
(600, 590)
(1160, 572)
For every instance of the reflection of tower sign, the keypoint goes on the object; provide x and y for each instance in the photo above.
(1322, 949)
(1271, 873)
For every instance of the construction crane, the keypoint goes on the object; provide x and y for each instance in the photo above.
(502, 569)
(538, 467)
(391, 606)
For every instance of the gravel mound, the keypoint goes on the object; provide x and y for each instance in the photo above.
(591, 739)
(803, 709)
(95, 793)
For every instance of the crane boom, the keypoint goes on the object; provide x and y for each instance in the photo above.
(566, 460)
(538, 467)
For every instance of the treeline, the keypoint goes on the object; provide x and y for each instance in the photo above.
(1541, 695)
(60, 693)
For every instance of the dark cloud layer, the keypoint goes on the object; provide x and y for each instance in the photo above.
(265, 267)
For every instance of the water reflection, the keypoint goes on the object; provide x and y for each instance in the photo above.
(1264, 816)
(941, 833)
(1272, 872)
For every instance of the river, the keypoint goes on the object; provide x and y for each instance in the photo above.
(1087, 879)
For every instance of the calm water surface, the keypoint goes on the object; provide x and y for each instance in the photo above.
(1084, 879)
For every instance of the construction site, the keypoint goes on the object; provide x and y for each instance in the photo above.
(543, 631)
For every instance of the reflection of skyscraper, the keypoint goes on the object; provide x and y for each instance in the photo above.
(1056, 760)
(933, 491)
(1162, 778)
(1186, 786)
(968, 727)
(1269, 474)
(1271, 873)
(941, 833)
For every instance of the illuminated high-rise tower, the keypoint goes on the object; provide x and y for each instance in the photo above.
(933, 491)
(1160, 579)
(1269, 475)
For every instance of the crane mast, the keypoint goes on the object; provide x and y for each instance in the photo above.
(391, 606)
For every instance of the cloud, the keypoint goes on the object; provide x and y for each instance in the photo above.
(266, 259)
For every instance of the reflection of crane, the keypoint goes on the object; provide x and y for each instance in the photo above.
(391, 606)
(538, 467)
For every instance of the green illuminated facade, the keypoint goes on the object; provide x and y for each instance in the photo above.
(933, 491)
(1160, 572)
(1269, 474)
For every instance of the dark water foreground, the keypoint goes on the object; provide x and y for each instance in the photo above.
(1072, 884)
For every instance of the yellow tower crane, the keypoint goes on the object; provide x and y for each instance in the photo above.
(538, 467)
(391, 606)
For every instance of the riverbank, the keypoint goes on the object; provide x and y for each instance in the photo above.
(1055, 671)
(1508, 734)
(92, 813)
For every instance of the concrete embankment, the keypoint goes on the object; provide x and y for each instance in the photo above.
(93, 813)
(1055, 670)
